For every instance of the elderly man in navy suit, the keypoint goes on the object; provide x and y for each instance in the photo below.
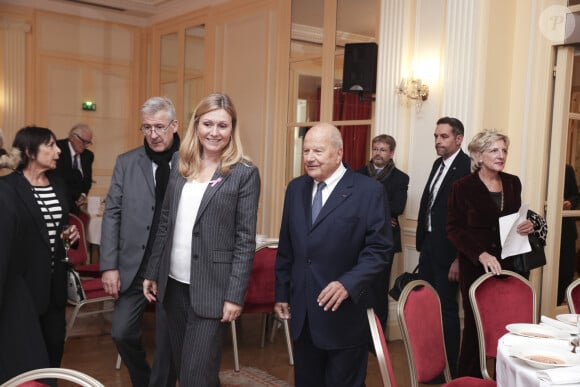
(335, 238)
(438, 262)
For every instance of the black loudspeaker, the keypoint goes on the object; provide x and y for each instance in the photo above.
(359, 73)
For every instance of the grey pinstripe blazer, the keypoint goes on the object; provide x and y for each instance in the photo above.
(223, 238)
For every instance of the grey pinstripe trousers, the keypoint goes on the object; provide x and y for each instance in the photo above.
(196, 342)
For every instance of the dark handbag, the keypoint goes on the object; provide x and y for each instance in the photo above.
(536, 258)
(523, 263)
(402, 281)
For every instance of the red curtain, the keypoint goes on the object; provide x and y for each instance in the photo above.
(347, 106)
(355, 137)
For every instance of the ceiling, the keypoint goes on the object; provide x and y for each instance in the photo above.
(138, 12)
(354, 16)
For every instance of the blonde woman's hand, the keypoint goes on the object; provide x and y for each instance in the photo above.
(525, 228)
(231, 312)
(490, 263)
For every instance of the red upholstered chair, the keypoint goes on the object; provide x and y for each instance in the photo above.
(92, 287)
(260, 297)
(573, 296)
(418, 308)
(470, 381)
(80, 256)
(381, 350)
(498, 301)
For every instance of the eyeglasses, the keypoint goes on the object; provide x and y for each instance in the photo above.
(158, 128)
(85, 142)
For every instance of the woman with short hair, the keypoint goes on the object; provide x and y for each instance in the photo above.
(476, 203)
(33, 285)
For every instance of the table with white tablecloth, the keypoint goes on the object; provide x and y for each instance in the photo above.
(514, 372)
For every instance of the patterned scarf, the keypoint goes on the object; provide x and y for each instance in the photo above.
(384, 173)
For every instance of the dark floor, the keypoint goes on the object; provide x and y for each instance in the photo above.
(91, 350)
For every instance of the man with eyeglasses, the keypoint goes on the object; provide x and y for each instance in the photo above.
(129, 226)
(75, 165)
(382, 168)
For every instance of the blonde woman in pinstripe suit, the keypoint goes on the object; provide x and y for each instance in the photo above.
(201, 260)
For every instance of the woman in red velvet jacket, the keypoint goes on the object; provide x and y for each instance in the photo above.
(475, 205)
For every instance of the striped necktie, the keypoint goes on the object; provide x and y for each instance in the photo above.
(432, 194)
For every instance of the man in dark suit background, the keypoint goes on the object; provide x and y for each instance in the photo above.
(335, 238)
(438, 262)
(569, 234)
(382, 168)
(75, 164)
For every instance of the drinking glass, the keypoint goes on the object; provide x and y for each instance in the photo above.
(65, 236)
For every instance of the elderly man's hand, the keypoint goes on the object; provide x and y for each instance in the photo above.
(332, 296)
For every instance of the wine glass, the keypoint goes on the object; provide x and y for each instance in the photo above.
(66, 230)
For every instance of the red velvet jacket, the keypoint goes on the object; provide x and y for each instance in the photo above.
(473, 225)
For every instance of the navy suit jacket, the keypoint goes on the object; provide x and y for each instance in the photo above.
(445, 250)
(348, 243)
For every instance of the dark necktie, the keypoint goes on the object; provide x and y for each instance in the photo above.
(432, 194)
(77, 164)
(317, 202)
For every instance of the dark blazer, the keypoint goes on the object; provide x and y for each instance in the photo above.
(473, 227)
(128, 215)
(348, 243)
(446, 251)
(569, 232)
(396, 185)
(26, 289)
(223, 238)
(76, 183)
(473, 224)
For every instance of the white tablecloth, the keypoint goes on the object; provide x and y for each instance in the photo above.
(95, 207)
(514, 372)
(94, 230)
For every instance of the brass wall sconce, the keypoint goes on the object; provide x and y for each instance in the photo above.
(413, 89)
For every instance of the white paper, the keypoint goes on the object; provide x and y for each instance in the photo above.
(513, 243)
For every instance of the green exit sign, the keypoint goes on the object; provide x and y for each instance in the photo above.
(90, 106)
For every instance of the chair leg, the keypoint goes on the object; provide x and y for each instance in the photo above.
(71, 321)
(288, 342)
(118, 364)
(275, 325)
(235, 345)
(264, 324)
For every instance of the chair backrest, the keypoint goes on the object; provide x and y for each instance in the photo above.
(80, 255)
(573, 296)
(381, 350)
(419, 307)
(76, 377)
(260, 294)
(496, 302)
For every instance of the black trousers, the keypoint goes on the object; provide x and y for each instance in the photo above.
(436, 274)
